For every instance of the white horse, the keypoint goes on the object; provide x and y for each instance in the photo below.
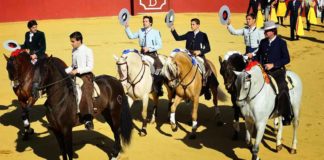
(136, 78)
(256, 99)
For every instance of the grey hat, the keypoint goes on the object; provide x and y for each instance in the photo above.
(269, 25)
(123, 16)
(169, 18)
(224, 14)
(11, 45)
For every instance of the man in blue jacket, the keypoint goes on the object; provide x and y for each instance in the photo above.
(273, 55)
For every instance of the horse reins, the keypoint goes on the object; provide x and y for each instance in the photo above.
(247, 95)
(181, 80)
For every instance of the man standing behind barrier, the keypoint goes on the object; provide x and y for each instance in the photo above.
(198, 45)
(150, 42)
(293, 7)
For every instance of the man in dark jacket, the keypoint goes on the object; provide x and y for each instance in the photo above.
(35, 41)
(293, 7)
(198, 45)
(273, 55)
(254, 4)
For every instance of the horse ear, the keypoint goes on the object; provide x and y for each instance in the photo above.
(220, 59)
(6, 57)
(116, 58)
(237, 73)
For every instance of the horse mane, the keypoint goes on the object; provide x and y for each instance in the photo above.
(59, 65)
(237, 61)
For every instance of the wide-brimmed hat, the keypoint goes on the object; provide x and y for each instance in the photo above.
(268, 25)
(169, 18)
(224, 14)
(123, 16)
(11, 45)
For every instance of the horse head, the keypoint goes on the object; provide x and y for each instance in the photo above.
(171, 72)
(48, 71)
(249, 82)
(122, 67)
(233, 61)
(17, 65)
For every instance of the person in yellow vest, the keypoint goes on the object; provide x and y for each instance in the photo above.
(281, 10)
(310, 12)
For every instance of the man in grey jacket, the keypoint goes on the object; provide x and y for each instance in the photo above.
(252, 35)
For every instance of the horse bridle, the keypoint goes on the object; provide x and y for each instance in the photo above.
(132, 83)
(181, 80)
(247, 95)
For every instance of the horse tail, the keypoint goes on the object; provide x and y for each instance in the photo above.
(126, 122)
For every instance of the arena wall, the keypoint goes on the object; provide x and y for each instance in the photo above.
(23, 10)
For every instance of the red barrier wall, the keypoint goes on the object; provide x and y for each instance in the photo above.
(23, 10)
(142, 6)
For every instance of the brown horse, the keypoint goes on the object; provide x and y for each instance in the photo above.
(21, 74)
(185, 78)
(61, 104)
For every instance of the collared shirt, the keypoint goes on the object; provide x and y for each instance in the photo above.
(150, 38)
(252, 36)
(82, 59)
(196, 32)
(271, 40)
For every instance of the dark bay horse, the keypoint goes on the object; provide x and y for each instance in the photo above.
(21, 73)
(233, 61)
(61, 104)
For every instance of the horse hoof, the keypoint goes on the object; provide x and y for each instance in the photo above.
(25, 136)
(31, 131)
(255, 157)
(143, 133)
(192, 136)
(235, 136)
(279, 148)
(174, 127)
(293, 151)
(220, 123)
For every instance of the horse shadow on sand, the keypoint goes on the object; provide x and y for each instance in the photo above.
(213, 136)
(45, 144)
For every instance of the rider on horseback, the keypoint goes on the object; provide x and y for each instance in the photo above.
(82, 65)
(273, 55)
(198, 45)
(34, 42)
(150, 41)
(252, 35)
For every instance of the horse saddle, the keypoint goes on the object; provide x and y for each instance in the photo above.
(274, 84)
(96, 90)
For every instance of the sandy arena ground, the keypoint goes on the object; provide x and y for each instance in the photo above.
(106, 37)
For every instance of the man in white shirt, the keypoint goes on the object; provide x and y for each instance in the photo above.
(82, 65)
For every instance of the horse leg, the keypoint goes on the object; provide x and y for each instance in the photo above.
(60, 139)
(279, 134)
(173, 123)
(295, 127)
(114, 127)
(144, 115)
(156, 102)
(236, 122)
(130, 101)
(213, 88)
(68, 142)
(25, 117)
(249, 131)
(276, 125)
(194, 115)
(260, 127)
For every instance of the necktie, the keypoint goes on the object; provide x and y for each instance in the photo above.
(31, 36)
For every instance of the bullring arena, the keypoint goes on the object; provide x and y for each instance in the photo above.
(107, 37)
